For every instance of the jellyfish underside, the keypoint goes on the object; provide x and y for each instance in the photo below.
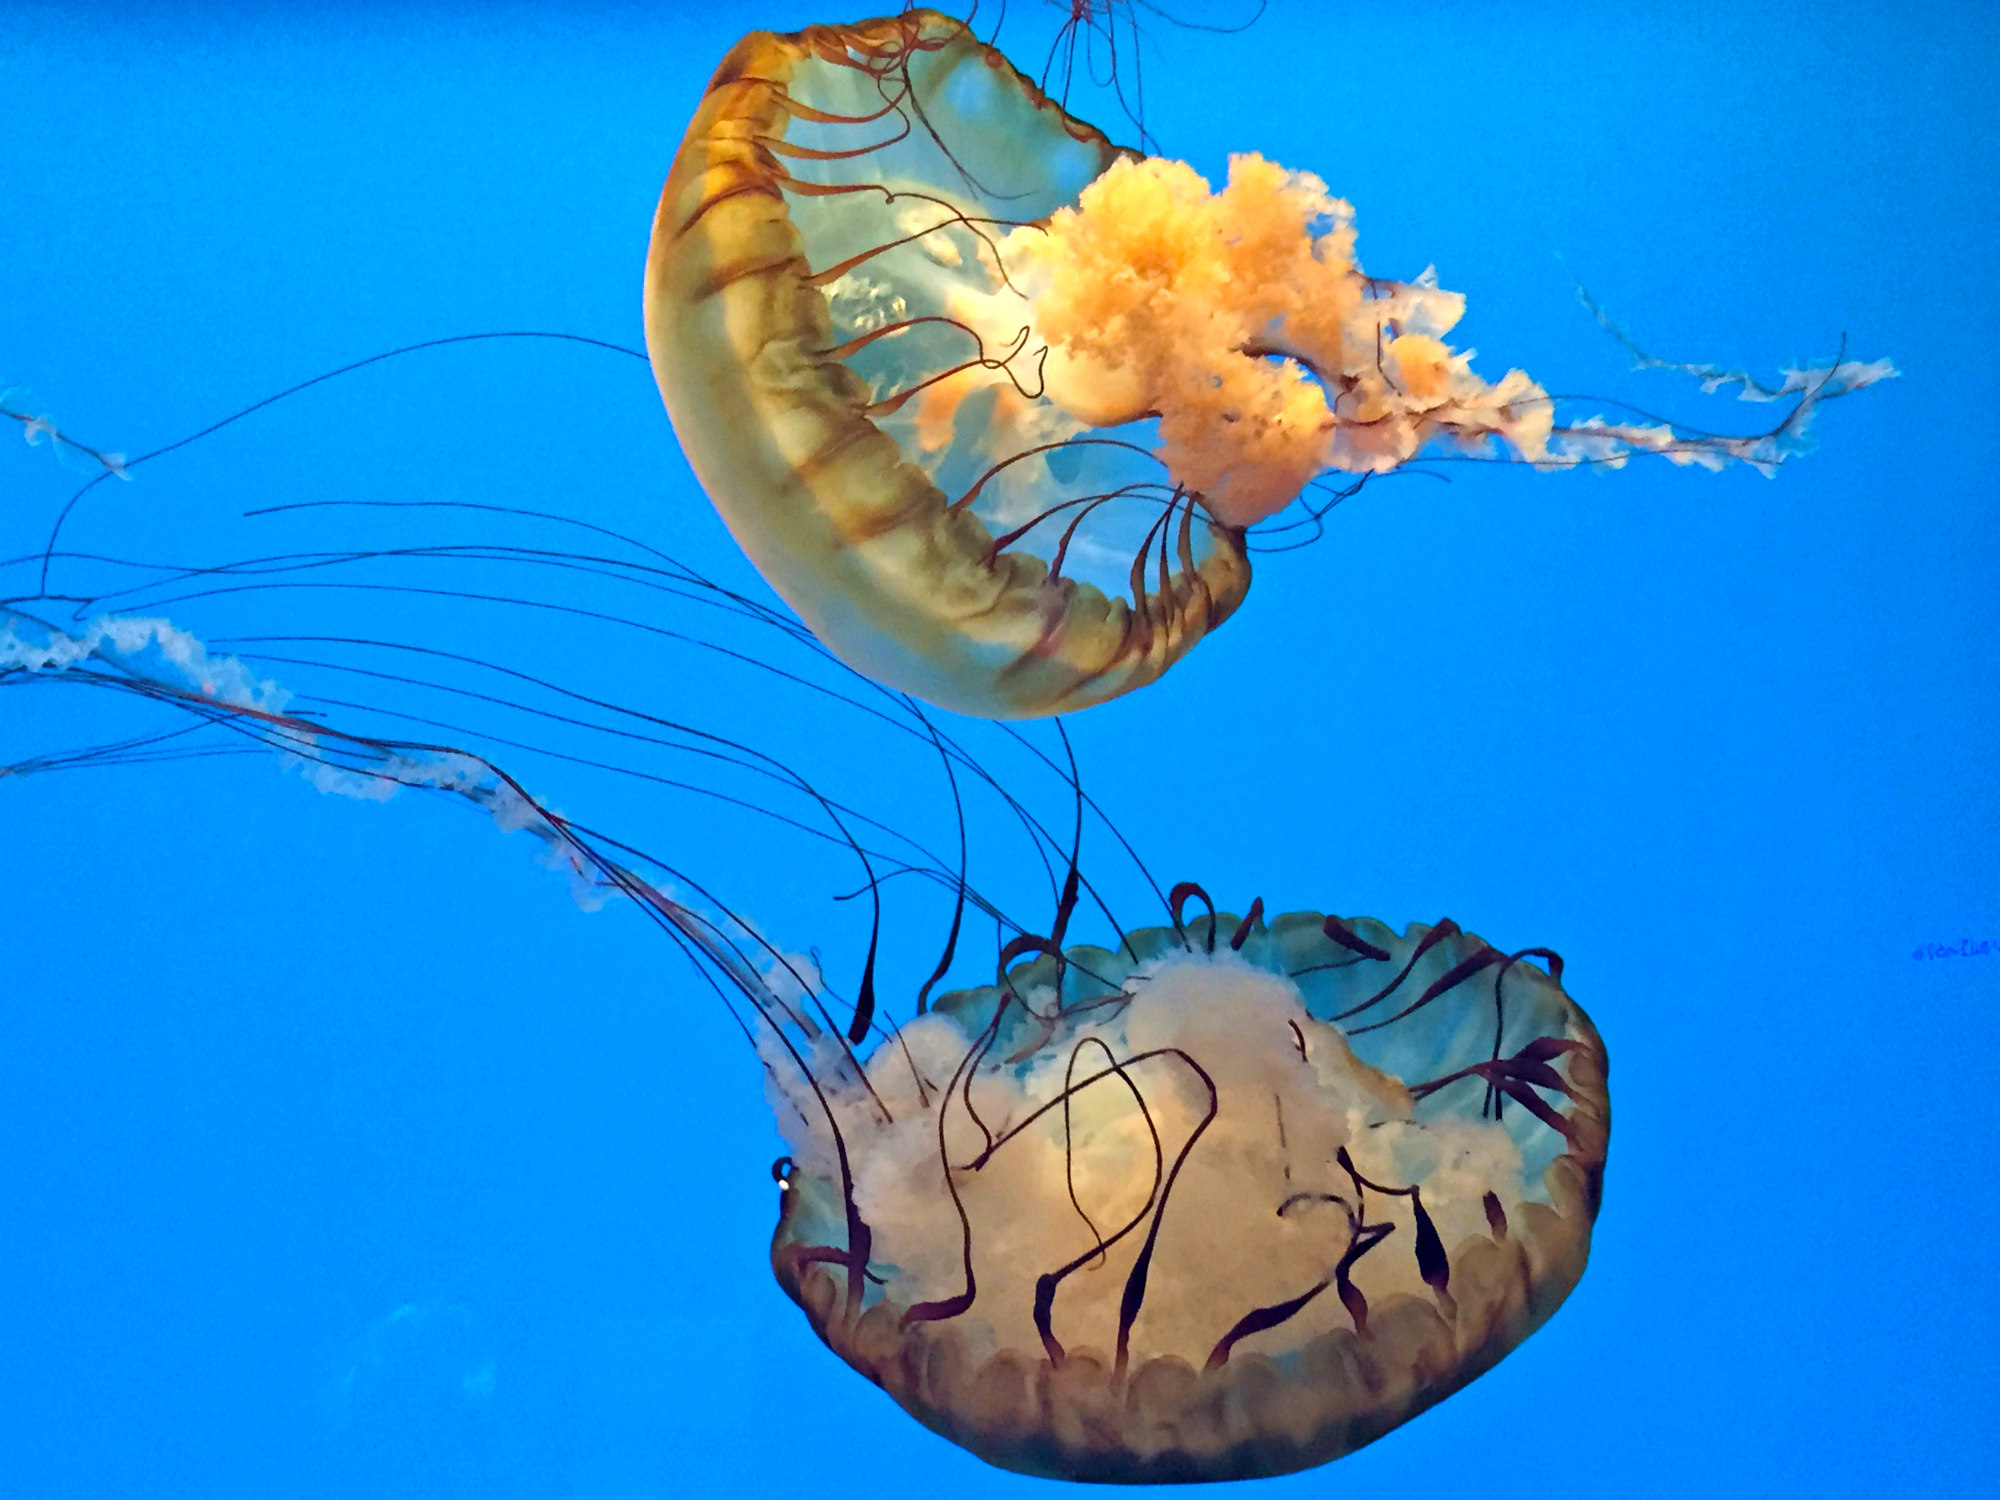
(1199, 1209)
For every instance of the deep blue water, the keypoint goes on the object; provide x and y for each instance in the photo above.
(344, 1155)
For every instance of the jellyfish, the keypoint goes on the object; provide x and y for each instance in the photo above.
(1191, 1210)
(1217, 1197)
(994, 403)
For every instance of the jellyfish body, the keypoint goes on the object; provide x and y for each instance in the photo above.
(1199, 1209)
(836, 192)
(959, 372)
(1231, 1200)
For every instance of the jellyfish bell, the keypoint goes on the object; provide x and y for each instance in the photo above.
(837, 192)
(1197, 1210)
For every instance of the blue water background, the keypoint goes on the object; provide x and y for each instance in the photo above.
(341, 1154)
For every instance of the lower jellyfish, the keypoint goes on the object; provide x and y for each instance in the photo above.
(1198, 1211)
(1228, 1197)
(959, 371)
